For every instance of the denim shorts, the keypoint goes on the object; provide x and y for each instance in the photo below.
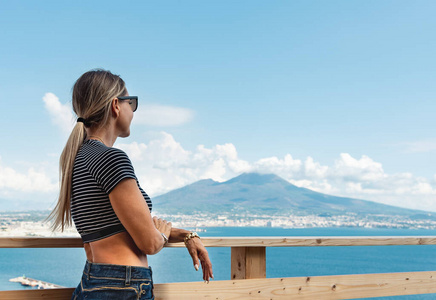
(106, 281)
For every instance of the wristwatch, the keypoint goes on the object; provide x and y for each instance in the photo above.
(189, 236)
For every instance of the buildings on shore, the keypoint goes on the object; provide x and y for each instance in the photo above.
(32, 223)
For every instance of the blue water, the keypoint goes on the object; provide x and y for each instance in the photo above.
(64, 266)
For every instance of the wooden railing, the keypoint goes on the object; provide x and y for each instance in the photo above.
(248, 262)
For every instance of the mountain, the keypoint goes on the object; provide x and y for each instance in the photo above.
(270, 194)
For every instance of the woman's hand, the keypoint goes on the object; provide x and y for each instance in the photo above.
(163, 226)
(199, 254)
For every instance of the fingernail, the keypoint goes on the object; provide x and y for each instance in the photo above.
(196, 267)
(212, 276)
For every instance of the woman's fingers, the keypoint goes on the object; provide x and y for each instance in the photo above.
(208, 271)
(195, 260)
(193, 252)
(162, 225)
(206, 265)
(199, 255)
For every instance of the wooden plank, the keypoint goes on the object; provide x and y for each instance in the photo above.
(237, 265)
(52, 294)
(320, 287)
(43, 242)
(40, 242)
(255, 262)
(316, 241)
(317, 287)
(248, 262)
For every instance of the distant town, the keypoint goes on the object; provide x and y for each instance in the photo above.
(31, 223)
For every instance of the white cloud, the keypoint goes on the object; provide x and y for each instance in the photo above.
(161, 115)
(135, 150)
(422, 188)
(286, 166)
(363, 169)
(163, 164)
(61, 114)
(313, 169)
(30, 181)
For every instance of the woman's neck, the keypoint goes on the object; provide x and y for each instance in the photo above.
(103, 135)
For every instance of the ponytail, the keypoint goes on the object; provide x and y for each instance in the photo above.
(61, 214)
(92, 97)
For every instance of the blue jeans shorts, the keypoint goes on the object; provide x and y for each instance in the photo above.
(106, 281)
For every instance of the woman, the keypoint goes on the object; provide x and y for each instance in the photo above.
(100, 192)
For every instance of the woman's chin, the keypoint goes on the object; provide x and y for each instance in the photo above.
(125, 134)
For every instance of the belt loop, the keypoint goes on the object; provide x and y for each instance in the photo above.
(89, 269)
(128, 275)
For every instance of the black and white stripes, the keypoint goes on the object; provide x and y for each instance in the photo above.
(97, 170)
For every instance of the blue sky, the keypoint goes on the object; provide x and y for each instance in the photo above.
(336, 96)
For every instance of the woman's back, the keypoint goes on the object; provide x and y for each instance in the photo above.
(97, 170)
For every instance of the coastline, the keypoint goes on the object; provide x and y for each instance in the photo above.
(31, 223)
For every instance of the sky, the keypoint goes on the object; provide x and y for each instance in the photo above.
(334, 96)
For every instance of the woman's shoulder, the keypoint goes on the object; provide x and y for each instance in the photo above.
(98, 147)
(108, 165)
(95, 151)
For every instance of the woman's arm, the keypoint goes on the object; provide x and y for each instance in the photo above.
(130, 207)
(178, 235)
(196, 249)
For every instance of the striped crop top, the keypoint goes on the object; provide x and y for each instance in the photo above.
(97, 170)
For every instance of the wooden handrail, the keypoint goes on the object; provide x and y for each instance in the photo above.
(65, 242)
(248, 262)
(302, 288)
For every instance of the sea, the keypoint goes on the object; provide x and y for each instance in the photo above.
(64, 266)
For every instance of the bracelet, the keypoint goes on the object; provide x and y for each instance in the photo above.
(165, 238)
(189, 236)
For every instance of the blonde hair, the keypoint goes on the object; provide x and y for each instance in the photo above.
(92, 99)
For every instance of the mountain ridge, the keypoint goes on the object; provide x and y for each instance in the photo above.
(266, 193)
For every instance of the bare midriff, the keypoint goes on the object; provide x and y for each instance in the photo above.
(118, 249)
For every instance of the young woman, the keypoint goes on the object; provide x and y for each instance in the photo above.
(101, 194)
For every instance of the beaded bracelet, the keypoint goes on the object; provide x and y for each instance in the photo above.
(189, 236)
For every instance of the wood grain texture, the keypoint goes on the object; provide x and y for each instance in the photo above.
(248, 263)
(43, 242)
(237, 264)
(255, 262)
(318, 287)
(52, 294)
(321, 287)
(40, 242)
(316, 241)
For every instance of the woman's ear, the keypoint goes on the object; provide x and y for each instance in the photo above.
(115, 107)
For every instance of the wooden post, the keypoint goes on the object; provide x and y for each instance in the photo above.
(248, 262)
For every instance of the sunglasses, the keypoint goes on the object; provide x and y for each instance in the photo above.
(133, 101)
